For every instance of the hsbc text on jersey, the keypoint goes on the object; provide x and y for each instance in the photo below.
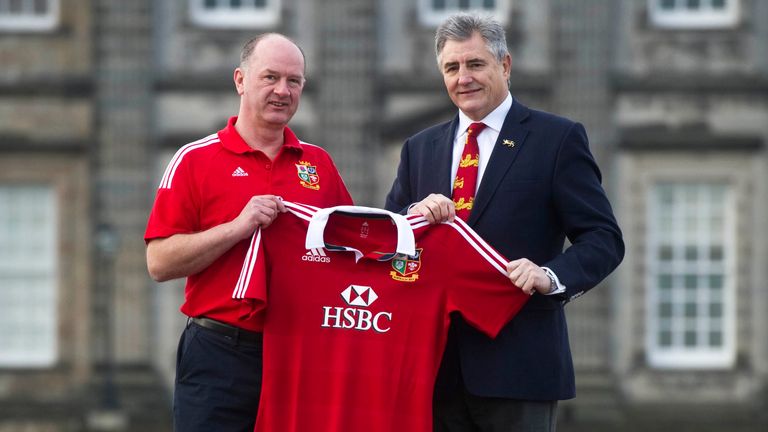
(353, 318)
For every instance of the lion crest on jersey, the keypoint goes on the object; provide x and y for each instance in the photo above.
(406, 267)
(308, 176)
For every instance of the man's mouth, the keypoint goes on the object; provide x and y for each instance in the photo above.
(278, 104)
(467, 92)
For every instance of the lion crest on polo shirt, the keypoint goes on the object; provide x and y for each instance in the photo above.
(308, 176)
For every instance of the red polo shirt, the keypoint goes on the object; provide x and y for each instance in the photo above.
(209, 181)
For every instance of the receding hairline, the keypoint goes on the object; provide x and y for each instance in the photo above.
(250, 46)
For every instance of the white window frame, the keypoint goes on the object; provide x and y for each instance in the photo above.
(705, 17)
(680, 356)
(225, 16)
(40, 309)
(27, 20)
(431, 17)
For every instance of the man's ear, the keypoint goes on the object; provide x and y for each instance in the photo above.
(238, 78)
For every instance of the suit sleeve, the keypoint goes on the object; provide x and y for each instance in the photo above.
(399, 196)
(581, 203)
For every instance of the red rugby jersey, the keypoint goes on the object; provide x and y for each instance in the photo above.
(357, 314)
(208, 183)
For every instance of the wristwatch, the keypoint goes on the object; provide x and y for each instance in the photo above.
(552, 283)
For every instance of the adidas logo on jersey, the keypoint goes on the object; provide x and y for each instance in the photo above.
(316, 255)
(239, 172)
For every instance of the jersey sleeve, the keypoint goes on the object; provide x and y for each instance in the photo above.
(176, 208)
(251, 287)
(479, 287)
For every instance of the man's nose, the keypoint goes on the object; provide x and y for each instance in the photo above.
(281, 88)
(465, 78)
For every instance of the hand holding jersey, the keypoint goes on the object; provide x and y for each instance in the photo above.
(437, 208)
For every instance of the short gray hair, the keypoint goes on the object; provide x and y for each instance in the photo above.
(461, 26)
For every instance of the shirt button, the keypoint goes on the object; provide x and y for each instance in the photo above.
(268, 166)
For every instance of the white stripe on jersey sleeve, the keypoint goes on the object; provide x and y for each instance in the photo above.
(170, 170)
(480, 245)
(303, 211)
(250, 260)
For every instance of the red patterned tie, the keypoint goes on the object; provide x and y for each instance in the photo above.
(466, 176)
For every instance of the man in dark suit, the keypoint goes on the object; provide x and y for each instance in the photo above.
(536, 185)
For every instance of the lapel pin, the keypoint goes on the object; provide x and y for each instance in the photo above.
(508, 143)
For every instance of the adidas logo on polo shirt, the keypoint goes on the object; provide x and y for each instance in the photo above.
(239, 172)
(316, 255)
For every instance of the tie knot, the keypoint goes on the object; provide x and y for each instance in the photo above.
(475, 128)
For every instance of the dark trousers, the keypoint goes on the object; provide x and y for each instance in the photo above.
(456, 410)
(218, 382)
(461, 411)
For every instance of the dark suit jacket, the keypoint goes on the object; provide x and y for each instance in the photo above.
(534, 194)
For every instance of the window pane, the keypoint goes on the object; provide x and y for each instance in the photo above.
(690, 313)
(690, 339)
(28, 15)
(694, 13)
(691, 253)
(667, 4)
(715, 310)
(665, 338)
(665, 253)
(28, 276)
(715, 339)
(690, 310)
(41, 7)
(16, 6)
(665, 310)
(235, 13)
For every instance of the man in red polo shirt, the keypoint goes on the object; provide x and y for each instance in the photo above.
(213, 195)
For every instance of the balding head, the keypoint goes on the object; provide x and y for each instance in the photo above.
(273, 40)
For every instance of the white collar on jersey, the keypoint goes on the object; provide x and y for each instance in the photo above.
(406, 244)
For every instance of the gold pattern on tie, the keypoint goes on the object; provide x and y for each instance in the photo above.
(466, 176)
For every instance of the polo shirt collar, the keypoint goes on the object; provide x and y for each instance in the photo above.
(232, 141)
(406, 244)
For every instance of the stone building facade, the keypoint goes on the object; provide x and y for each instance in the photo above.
(97, 95)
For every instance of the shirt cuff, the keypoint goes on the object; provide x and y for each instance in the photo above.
(559, 287)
